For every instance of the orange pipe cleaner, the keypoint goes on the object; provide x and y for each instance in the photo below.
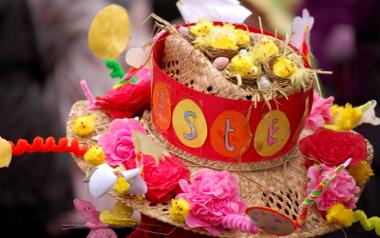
(49, 145)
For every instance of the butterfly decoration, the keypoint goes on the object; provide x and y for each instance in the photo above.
(104, 178)
(301, 33)
(91, 215)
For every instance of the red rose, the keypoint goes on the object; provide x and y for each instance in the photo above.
(128, 100)
(333, 148)
(162, 179)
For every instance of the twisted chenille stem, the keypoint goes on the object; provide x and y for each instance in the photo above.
(49, 145)
(367, 223)
(241, 223)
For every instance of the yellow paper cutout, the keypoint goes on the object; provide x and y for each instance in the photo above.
(120, 215)
(272, 133)
(5, 153)
(95, 155)
(146, 146)
(189, 124)
(109, 32)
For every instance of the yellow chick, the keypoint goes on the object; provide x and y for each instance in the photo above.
(242, 36)
(345, 118)
(338, 213)
(95, 155)
(300, 78)
(202, 28)
(121, 186)
(263, 50)
(83, 125)
(243, 66)
(178, 210)
(284, 67)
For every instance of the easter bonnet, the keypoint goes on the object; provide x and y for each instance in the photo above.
(218, 128)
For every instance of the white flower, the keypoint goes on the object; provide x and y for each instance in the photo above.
(301, 28)
(369, 115)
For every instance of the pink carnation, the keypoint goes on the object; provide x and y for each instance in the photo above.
(117, 141)
(320, 112)
(212, 196)
(343, 189)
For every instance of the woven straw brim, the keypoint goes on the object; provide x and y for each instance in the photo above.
(281, 188)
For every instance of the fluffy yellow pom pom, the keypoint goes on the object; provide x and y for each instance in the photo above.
(178, 210)
(338, 213)
(83, 125)
(344, 118)
(284, 67)
(243, 66)
(121, 186)
(263, 50)
(243, 38)
(202, 28)
(361, 172)
(94, 155)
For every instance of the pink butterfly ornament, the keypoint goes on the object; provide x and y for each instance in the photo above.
(91, 215)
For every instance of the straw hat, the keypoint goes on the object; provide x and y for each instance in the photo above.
(270, 179)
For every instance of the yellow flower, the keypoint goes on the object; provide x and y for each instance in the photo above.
(243, 38)
(263, 50)
(338, 213)
(121, 186)
(120, 216)
(361, 172)
(284, 67)
(202, 28)
(83, 125)
(344, 118)
(94, 155)
(178, 210)
(243, 66)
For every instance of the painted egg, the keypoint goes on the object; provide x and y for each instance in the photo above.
(220, 63)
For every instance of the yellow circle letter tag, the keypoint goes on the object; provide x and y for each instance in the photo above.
(272, 133)
(189, 124)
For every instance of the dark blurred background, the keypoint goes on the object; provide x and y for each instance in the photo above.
(44, 54)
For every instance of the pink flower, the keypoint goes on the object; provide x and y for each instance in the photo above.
(128, 100)
(117, 141)
(342, 190)
(212, 196)
(320, 112)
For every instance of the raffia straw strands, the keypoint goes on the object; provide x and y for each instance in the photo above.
(281, 188)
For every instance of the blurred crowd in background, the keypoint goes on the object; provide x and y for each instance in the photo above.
(44, 54)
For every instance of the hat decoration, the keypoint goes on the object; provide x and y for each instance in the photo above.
(225, 135)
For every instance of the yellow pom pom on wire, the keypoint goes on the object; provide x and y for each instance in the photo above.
(339, 214)
(361, 172)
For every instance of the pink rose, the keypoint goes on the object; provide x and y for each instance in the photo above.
(342, 190)
(320, 112)
(117, 141)
(212, 196)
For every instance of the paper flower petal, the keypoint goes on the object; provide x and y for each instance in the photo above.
(102, 180)
(213, 10)
(369, 115)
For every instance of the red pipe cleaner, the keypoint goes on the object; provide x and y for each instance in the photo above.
(49, 145)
